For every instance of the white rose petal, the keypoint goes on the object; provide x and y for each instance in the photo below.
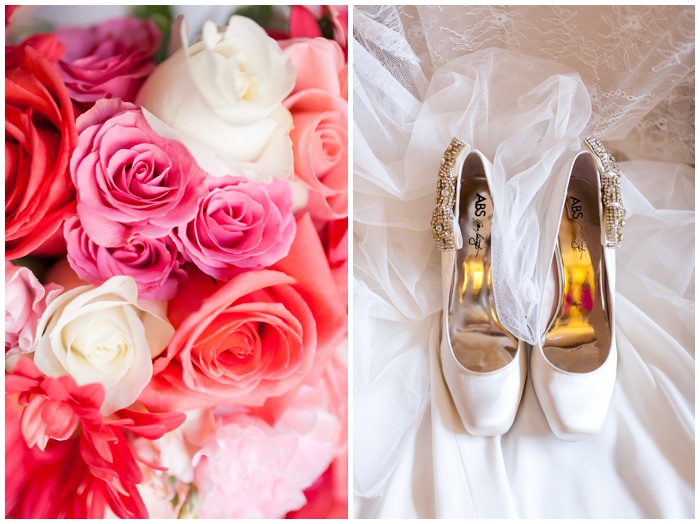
(222, 98)
(104, 334)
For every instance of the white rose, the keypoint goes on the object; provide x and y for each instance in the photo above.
(104, 334)
(222, 98)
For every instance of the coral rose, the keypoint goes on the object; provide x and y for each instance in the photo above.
(154, 263)
(239, 224)
(320, 134)
(255, 337)
(131, 178)
(109, 60)
(222, 97)
(40, 136)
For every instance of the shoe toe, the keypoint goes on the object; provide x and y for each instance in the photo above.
(575, 404)
(486, 402)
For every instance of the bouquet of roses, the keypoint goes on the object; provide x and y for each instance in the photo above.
(176, 270)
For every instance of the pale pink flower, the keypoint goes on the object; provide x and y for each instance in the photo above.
(25, 301)
(254, 469)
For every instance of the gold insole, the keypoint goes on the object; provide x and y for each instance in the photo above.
(578, 339)
(479, 341)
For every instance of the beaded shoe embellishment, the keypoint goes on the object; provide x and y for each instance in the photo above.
(442, 223)
(609, 173)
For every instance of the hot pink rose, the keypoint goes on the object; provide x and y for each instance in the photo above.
(130, 178)
(320, 133)
(255, 468)
(254, 337)
(239, 224)
(40, 136)
(153, 262)
(25, 301)
(109, 60)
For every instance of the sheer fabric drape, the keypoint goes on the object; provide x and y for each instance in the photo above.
(523, 85)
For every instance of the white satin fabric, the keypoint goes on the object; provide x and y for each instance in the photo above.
(527, 112)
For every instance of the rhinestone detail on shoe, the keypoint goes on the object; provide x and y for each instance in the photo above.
(609, 173)
(442, 222)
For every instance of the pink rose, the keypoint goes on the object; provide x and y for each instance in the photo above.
(130, 178)
(153, 262)
(254, 337)
(320, 133)
(109, 60)
(25, 302)
(259, 468)
(239, 224)
(40, 136)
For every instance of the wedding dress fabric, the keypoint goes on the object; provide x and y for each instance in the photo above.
(523, 85)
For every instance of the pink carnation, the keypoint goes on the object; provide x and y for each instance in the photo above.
(240, 224)
(129, 177)
(25, 301)
(254, 469)
(109, 60)
(153, 262)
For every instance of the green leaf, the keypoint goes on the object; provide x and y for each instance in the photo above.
(146, 11)
(162, 16)
(261, 14)
(38, 265)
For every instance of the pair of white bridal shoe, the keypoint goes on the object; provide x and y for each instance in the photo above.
(573, 365)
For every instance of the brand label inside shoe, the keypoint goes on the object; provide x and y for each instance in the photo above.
(477, 225)
(576, 214)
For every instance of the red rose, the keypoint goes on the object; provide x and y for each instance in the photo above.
(40, 136)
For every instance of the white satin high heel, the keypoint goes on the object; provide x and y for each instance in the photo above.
(483, 364)
(573, 368)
